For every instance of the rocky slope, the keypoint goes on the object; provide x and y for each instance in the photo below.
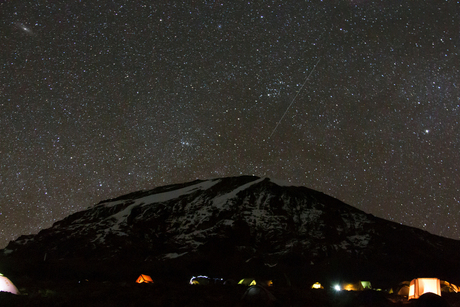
(231, 226)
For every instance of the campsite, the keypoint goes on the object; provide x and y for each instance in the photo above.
(146, 290)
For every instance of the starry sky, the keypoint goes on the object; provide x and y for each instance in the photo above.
(358, 99)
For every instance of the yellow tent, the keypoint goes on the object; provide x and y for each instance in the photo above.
(448, 287)
(248, 282)
(144, 279)
(421, 286)
(317, 285)
(252, 282)
(403, 288)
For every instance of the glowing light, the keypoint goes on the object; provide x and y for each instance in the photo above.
(316, 285)
(337, 288)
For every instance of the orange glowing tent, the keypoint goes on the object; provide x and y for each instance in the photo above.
(144, 279)
(421, 286)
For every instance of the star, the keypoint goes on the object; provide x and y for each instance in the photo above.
(131, 97)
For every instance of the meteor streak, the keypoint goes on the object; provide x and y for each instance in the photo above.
(308, 77)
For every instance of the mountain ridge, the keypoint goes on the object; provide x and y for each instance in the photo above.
(251, 223)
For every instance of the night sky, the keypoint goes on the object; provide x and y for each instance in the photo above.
(102, 98)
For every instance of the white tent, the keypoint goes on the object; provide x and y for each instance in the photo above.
(421, 286)
(7, 286)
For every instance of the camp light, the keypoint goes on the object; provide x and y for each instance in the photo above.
(337, 288)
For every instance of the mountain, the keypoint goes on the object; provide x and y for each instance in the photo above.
(231, 227)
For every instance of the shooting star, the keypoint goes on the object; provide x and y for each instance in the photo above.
(279, 122)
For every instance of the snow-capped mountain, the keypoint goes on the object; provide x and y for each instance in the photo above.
(234, 223)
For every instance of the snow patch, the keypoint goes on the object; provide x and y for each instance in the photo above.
(173, 255)
(220, 201)
(121, 217)
(162, 197)
(227, 222)
(100, 238)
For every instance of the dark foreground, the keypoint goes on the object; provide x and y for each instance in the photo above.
(173, 295)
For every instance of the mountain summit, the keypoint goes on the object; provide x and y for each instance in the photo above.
(244, 225)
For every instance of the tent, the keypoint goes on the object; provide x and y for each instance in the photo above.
(252, 282)
(206, 280)
(200, 280)
(448, 287)
(317, 285)
(403, 288)
(420, 286)
(7, 286)
(248, 282)
(258, 296)
(352, 286)
(144, 279)
(366, 284)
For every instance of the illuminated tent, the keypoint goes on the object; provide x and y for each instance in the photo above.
(352, 286)
(252, 282)
(448, 287)
(317, 285)
(248, 282)
(7, 286)
(206, 280)
(420, 286)
(366, 284)
(144, 279)
(200, 280)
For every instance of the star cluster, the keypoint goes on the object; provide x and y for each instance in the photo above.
(103, 98)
